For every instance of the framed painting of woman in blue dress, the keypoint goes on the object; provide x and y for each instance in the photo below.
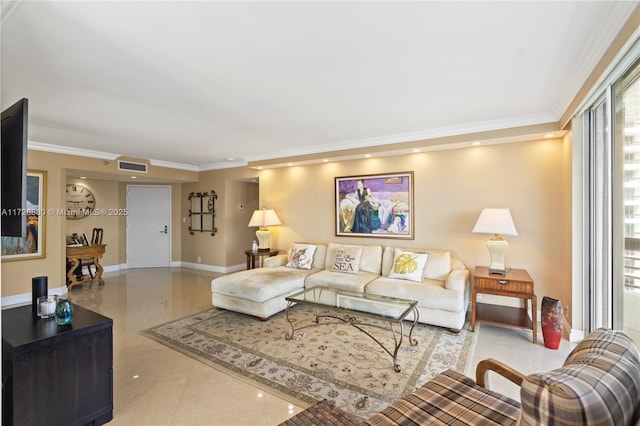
(379, 206)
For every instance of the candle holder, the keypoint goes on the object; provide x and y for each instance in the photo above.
(46, 306)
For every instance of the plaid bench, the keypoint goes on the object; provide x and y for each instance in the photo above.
(450, 398)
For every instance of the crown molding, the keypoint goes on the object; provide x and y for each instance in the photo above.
(171, 165)
(225, 165)
(595, 47)
(59, 149)
(442, 132)
(470, 128)
(7, 7)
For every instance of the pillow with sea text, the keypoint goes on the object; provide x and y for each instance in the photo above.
(347, 259)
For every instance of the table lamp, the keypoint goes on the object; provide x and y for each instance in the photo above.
(264, 218)
(497, 222)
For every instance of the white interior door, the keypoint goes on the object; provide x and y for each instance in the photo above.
(148, 226)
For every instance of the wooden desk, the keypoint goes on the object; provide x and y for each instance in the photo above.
(515, 283)
(75, 255)
(56, 375)
(252, 255)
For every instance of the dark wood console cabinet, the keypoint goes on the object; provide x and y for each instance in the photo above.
(56, 375)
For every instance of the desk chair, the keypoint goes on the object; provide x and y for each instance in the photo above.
(96, 238)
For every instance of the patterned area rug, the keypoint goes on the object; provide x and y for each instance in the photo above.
(329, 361)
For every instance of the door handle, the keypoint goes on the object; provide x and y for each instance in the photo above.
(165, 230)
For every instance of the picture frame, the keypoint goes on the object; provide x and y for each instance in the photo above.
(33, 245)
(375, 206)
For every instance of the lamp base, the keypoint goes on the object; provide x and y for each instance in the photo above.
(497, 251)
(264, 239)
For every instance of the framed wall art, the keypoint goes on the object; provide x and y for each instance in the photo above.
(378, 206)
(33, 245)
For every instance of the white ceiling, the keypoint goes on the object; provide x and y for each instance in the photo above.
(207, 84)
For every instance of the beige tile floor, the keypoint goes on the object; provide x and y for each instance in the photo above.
(154, 385)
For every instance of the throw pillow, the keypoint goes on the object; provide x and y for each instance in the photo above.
(347, 259)
(408, 265)
(301, 256)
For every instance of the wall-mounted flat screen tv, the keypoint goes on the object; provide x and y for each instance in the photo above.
(13, 172)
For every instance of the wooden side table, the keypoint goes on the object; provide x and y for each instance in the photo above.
(74, 258)
(515, 283)
(253, 255)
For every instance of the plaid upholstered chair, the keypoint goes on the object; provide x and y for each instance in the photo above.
(599, 384)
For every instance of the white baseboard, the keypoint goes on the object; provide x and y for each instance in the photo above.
(115, 268)
(25, 298)
(212, 268)
(576, 335)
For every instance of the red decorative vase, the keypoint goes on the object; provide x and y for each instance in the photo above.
(551, 322)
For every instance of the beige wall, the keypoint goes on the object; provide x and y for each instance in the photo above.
(16, 275)
(451, 188)
(108, 196)
(226, 248)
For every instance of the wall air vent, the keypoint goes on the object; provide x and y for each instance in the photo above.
(132, 167)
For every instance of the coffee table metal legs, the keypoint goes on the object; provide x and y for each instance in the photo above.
(352, 320)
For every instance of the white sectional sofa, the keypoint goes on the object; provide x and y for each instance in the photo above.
(442, 290)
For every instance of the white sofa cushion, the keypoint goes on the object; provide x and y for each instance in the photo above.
(438, 265)
(429, 294)
(261, 284)
(341, 281)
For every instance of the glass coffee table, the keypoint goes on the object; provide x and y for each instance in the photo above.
(354, 308)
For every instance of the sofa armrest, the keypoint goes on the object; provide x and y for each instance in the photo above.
(496, 366)
(458, 279)
(273, 261)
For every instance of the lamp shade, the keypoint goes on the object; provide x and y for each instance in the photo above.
(495, 221)
(264, 217)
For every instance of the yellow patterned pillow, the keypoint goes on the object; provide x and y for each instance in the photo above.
(408, 265)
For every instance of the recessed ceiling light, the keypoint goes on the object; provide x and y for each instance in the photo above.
(416, 150)
(367, 156)
(259, 167)
(83, 177)
(134, 177)
(326, 160)
(475, 143)
(289, 164)
(549, 135)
